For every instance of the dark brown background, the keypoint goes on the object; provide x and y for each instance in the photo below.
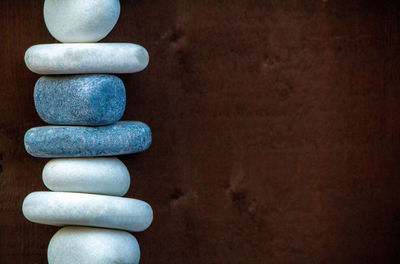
(276, 130)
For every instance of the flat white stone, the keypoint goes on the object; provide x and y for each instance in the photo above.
(78, 58)
(80, 21)
(88, 245)
(65, 208)
(88, 175)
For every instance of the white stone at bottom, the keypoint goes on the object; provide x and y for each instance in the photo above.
(64, 208)
(87, 245)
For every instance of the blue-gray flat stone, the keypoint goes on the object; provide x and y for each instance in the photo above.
(90, 100)
(123, 137)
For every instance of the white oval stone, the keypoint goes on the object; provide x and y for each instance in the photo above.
(88, 245)
(80, 21)
(78, 58)
(88, 175)
(65, 208)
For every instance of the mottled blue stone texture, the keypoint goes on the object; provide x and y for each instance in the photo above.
(91, 100)
(123, 137)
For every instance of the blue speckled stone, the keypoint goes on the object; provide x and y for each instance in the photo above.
(90, 100)
(123, 137)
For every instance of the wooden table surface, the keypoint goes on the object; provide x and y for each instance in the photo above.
(276, 130)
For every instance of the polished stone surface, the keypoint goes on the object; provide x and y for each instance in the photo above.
(123, 137)
(66, 208)
(276, 130)
(88, 245)
(78, 58)
(90, 100)
(107, 176)
(80, 21)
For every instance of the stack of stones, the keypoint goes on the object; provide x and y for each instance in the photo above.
(83, 105)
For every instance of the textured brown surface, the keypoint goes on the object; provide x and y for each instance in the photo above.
(276, 130)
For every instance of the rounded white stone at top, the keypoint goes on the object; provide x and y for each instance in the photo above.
(80, 20)
(78, 58)
(88, 175)
(88, 245)
(83, 209)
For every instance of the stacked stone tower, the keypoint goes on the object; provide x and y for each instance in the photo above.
(83, 105)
